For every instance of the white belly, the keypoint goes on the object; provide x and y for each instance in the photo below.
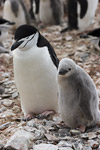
(88, 18)
(45, 12)
(35, 78)
(9, 15)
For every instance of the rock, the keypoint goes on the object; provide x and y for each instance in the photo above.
(64, 144)
(75, 132)
(38, 134)
(63, 132)
(77, 146)
(45, 147)
(4, 126)
(3, 109)
(65, 148)
(20, 140)
(7, 102)
(15, 95)
(8, 113)
(32, 123)
(92, 143)
(5, 96)
(51, 137)
(87, 148)
(57, 118)
(6, 74)
(92, 135)
(84, 136)
(1, 90)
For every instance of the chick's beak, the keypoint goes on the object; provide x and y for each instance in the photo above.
(62, 72)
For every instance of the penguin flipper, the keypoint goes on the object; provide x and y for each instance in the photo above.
(14, 7)
(84, 101)
(84, 7)
(95, 32)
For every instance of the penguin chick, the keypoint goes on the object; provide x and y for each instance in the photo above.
(51, 11)
(80, 14)
(15, 11)
(35, 69)
(78, 98)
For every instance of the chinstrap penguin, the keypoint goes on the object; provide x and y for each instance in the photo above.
(6, 23)
(35, 69)
(15, 11)
(80, 14)
(51, 11)
(78, 98)
(94, 37)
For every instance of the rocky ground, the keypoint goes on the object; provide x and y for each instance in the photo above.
(43, 134)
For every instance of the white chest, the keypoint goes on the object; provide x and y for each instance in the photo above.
(35, 77)
(45, 12)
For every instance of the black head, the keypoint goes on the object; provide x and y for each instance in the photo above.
(3, 21)
(22, 34)
(24, 31)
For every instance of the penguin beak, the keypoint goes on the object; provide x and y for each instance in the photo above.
(11, 23)
(16, 44)
(62, 72)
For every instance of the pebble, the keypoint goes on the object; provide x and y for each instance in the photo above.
(7, 102)
(1, 90)
(75, 132)
(45, 147)
(84, 136)
(51, 137)
(20, 140)
(91, 143)
(65, 148)
(78, 146)
(64, 144)
(87, 148)
(15, 95)
(63, 132)
(4, 126)
(7, 114)
(3, 109)
(92, 135)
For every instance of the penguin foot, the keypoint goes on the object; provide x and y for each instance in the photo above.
(46, 114)
(82, 128)
(98, 124)
(29, 117)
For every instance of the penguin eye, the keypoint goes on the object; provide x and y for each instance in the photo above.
(69, 69)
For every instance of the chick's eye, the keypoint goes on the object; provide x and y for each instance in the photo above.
(69, 69)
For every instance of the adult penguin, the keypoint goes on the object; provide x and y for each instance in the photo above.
(80, 14)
